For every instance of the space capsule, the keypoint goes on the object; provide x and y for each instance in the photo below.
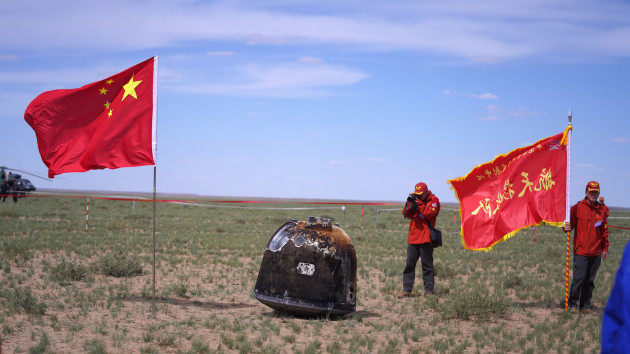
(308, 268)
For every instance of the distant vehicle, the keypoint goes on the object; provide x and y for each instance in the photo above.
(22, 186)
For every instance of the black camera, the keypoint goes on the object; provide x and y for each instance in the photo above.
(412, 198)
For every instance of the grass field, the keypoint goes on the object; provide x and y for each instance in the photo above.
(62, 290)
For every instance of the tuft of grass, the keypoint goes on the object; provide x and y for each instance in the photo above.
(444, 270)
(69, 271)
(199, 347)
(180, 289)
(119, 264)
(23, 299)
(476, 302)
(166, 339)
(18, 250)
(512, 281)
(313, 347)
(149, 350)
(95, 346)
(9, 213)
(41, 346)
(334, 348)
(227, 340)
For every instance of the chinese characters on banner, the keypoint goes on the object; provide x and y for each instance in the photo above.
(522, 188)
(106, 124)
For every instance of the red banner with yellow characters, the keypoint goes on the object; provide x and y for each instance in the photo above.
(523, 188)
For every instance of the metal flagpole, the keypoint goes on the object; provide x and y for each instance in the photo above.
(154, 145)
(568, 214)
(154, 203)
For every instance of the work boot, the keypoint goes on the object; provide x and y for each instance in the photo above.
(587, 311)
(404, 294)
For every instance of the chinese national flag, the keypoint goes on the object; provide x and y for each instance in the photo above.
(522, 188)
(111, 123)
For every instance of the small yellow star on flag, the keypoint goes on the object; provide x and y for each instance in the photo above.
(107, 105)
(109, 82)
(110, 113)
(130, 88)
(103, 91)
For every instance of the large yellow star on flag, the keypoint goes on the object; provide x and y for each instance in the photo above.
(130, 88)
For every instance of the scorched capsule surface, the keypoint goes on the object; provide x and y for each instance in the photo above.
(309, 268)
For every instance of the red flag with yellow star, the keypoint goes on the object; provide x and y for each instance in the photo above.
(106, 124)
(523, 188)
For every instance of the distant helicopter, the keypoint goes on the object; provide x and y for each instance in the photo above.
(21, 186)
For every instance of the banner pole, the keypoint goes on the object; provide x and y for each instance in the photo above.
(568, 215)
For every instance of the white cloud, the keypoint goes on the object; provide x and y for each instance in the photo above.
(310, 60)
(484, 96)
(481, 31)
(282, 80)
(220, 54)
(73, 77)
(492, 113)
(487, 60)
(623, 140)
(493, 109)
(480, 96)
(60, 77)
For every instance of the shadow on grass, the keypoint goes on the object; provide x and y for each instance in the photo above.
(187, 303)
(364, 314)
(357, 315)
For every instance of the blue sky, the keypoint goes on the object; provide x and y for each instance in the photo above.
(351, 100)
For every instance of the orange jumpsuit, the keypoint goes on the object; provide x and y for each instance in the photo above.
(419, 232)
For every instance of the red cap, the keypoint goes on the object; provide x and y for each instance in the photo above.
(420, 188)
(592, 186)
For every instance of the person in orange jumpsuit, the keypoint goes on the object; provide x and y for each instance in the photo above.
(422, 207)
(590, 246)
